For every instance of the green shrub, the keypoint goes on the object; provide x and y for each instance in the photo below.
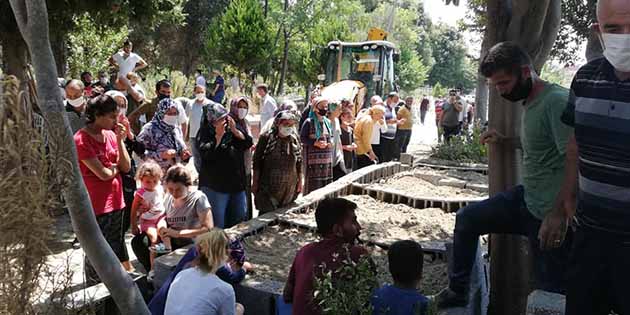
(463, 148)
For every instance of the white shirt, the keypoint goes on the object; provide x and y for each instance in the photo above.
(234, 83)
(126, 65)
(269, 106)
(463, 114)
(182, 118)
(376, 132)
(200, 80)
(194, 292)
(155, 201)
(195, 113)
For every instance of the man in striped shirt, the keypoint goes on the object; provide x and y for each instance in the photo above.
(598, 173)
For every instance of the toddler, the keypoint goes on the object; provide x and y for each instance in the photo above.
(148, 208)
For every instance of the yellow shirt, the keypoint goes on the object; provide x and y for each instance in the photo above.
(363, 134)
(403, 112)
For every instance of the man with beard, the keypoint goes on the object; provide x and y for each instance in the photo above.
(522, 209)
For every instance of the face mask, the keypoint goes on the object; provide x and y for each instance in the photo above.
(285, 131)
(103, 81)
(322, 111)
(171, 120)
(520, 91)
(200, 96)
(242, 113)
(162, 96)
(617, 50)
(77, 102)
(122, 111)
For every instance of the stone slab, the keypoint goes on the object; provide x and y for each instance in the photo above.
(545, 303)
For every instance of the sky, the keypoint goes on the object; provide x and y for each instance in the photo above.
(449, 14)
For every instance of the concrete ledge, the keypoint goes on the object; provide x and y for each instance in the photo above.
(545, 303)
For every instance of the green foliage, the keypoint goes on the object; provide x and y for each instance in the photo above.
(452, 67)
(180, 84)
(412, 73)
(240, 37)
(346, 291)
(463, 149)
(91, 45)
(439, 90)
(556, 74)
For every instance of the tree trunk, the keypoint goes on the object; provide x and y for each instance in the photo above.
(481, 92)
(58, 46)
(32, 20)
(534, 24)
(15, 53)
(285, 64)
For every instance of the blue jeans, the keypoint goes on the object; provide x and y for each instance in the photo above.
(228, 209)
(505, 213)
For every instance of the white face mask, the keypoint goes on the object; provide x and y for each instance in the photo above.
(171, 120)
(242, 113)
(285, 131)
(122, 111)
(617, 50)
(77, 102)
(200, 96)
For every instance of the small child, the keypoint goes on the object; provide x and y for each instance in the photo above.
(148, 207)
(405, 264)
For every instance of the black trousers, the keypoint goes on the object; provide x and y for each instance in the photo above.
(598, 273)
(450, 132)
(363, 161)
(338, 172)
(140, 246)
(390, 149)
(111, 225)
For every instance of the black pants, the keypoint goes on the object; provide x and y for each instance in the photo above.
(111, 225)
(390, 149)
(363, 161)
(140, 246)
(378, 151)
(598, 273)
(338, 172)
(423, 113)
(248, 193)
(449, 132)
(403, 136)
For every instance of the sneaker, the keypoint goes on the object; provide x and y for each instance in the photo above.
(160, 249)
(151, 276)
(449, 298)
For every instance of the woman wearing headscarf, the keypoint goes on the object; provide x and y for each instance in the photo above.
(316, 136)
(364, 131)
(162, 136)
(222, 146)
(278, 164)
(339, 165)
(239, 108)
(286, 105)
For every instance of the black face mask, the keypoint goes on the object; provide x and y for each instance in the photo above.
(520, 91)
(322, 112)
(162, 96)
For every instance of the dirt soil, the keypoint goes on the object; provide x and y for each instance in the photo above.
(385, 223)
(423, 183)
(273, 251)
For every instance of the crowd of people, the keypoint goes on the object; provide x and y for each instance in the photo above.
(575, 167)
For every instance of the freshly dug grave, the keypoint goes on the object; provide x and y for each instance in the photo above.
(432, 184)
(273, 250)
(385, 223)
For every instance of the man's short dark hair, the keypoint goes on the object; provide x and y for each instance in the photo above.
(127, 43)
(263, 87)
(406, 260)
(162, 83)
(331, 211)
(505, 56)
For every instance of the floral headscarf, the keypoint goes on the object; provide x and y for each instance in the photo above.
(241, 124)
(160, 134)
(294, 145)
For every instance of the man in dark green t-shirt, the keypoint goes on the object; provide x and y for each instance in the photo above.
(522, 209)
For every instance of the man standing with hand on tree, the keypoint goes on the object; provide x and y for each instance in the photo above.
(598, 173)
(522, 209)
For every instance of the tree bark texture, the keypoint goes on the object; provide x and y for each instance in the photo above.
(15, 53)
(481, 92)
(285, 64)
(32, 18)
(534, 24)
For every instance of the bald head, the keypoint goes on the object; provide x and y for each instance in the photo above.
(613, 16)
(74, 89)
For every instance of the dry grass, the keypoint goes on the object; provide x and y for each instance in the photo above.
(28, 192)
